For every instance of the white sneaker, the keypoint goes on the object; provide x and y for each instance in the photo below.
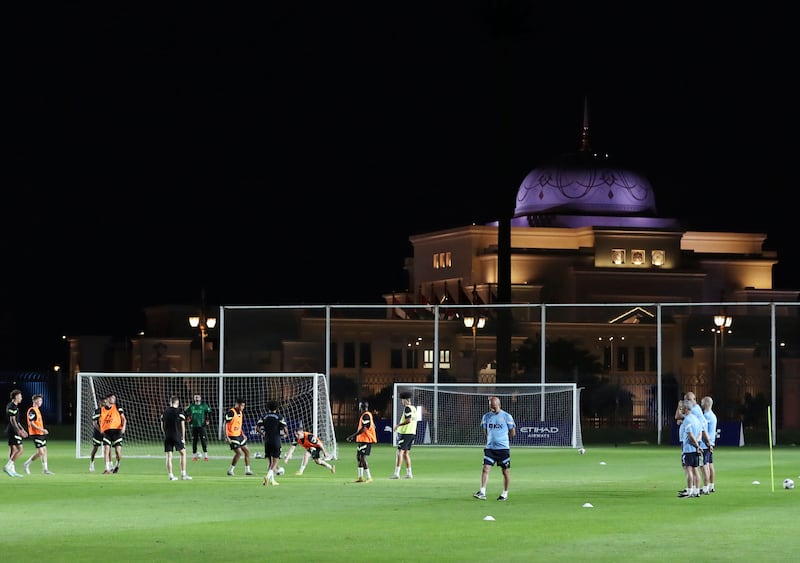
(230, 472)
(394, 476)
(91, 468)
(185, 478)
(173, 478)
(47, 472)
(408, 477)
(27, 468)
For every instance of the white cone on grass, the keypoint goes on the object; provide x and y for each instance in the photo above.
(489, 518)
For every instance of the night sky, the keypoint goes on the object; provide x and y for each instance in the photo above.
(264, 155)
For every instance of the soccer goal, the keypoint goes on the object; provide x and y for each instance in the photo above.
(449, 414)
(302, 399)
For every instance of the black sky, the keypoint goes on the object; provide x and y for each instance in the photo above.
(155, 152)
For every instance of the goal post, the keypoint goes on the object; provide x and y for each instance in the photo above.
(302, 399)
(449, 414)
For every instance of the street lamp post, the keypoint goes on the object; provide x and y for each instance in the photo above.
(723, 323)
(203, 323)
(475, 323)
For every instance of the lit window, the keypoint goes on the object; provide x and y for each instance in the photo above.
(657, 257)
(442, 260)
(617, 256)
(444, 359)
(637, 257)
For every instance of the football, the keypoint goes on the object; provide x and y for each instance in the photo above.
(280, 470)
(581, 451)
(788, 484)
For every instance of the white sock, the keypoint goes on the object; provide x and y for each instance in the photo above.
(367, 474)
(483, 490)
(505, 493)
(397, 470)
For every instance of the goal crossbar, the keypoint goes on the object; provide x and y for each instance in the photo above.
(449, 414)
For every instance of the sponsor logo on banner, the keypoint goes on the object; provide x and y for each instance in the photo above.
(542, 433)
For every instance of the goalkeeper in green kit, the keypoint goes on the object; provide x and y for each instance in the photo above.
(198, 414)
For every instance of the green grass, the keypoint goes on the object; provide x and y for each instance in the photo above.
(139, 515)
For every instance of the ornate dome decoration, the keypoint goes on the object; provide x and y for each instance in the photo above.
(583, 183)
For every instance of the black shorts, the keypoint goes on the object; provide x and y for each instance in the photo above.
(272, 449)
(690, 459)
(237, 441)
(173, 444)
(14, 439)
(405, 441)
(500, 457)
(364, 448)
(112, 437)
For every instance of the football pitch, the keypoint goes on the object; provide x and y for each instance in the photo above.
(611, 504)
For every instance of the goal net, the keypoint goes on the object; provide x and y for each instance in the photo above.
(449, 414)
(302, 399)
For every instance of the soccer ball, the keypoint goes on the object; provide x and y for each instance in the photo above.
(788, 484)
(581, 451)
(259, 455)
(280, 470)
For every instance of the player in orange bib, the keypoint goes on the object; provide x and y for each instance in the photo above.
(315, 450)
(236, 438)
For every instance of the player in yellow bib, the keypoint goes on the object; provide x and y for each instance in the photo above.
(406, 430)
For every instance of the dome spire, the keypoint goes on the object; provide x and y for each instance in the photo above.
(585, 146)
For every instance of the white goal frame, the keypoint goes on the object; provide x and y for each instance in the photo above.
(449, 414)
(302, 398)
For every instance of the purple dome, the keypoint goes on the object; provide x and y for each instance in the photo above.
(584, 184)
